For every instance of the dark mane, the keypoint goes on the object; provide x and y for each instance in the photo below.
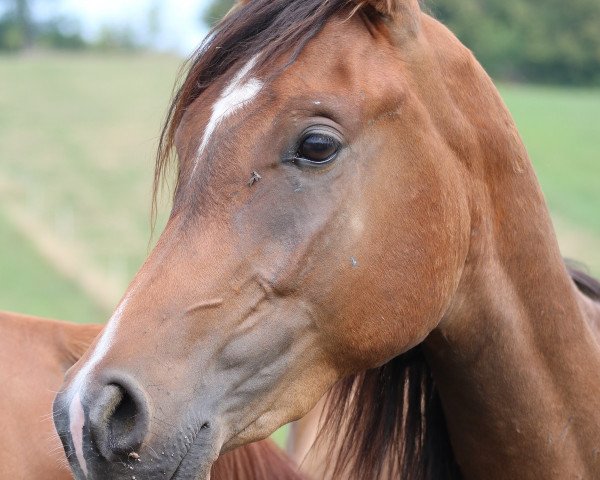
(586, 284)
(390, 417)
(266, 27)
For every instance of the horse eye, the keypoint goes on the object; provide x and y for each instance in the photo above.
(317, 148)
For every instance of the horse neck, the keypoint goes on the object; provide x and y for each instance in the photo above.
(515, 359)
(73, 340)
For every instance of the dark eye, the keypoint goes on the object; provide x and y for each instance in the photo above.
(317, 149)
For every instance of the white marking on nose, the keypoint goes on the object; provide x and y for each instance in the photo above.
(76, 422)
(237, 94)
(101, 348)
(76, 414)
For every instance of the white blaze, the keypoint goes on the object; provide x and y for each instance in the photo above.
(101, 347)
(76, 415)
(76, 423)
(238, 93)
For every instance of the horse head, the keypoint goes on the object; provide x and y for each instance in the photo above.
(321, 221)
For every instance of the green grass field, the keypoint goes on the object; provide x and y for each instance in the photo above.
(31, 284)
(561, 129)
(77, 139)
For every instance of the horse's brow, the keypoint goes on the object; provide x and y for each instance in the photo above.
(240, 90)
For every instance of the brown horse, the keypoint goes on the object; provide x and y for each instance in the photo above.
(350, 186)
(35, 353)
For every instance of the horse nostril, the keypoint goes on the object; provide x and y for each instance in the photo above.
(118, 420)
(122, 422)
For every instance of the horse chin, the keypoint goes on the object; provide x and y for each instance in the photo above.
(196, 465)
(256, 431)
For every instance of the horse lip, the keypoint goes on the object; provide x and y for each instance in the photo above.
(199, 475)
(176, 473)
(200, 466)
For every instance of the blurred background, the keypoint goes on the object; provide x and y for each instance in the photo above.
(84, 86)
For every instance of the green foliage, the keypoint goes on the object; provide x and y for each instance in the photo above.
(551, 41)
(114, 38)
(16, 25)
(19, 31)
(60, 33)
(57, 33)
(11, 35)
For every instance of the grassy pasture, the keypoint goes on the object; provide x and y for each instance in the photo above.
(561, 129)
(40, 290)
(77, 139)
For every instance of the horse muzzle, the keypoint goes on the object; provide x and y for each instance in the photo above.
(106, 432)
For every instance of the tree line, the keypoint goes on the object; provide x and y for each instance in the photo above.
(20, 31)
(554, 41)
(550, 41)
(542, 41)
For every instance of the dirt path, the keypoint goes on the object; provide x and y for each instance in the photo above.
(69, 260)
(73, 262)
